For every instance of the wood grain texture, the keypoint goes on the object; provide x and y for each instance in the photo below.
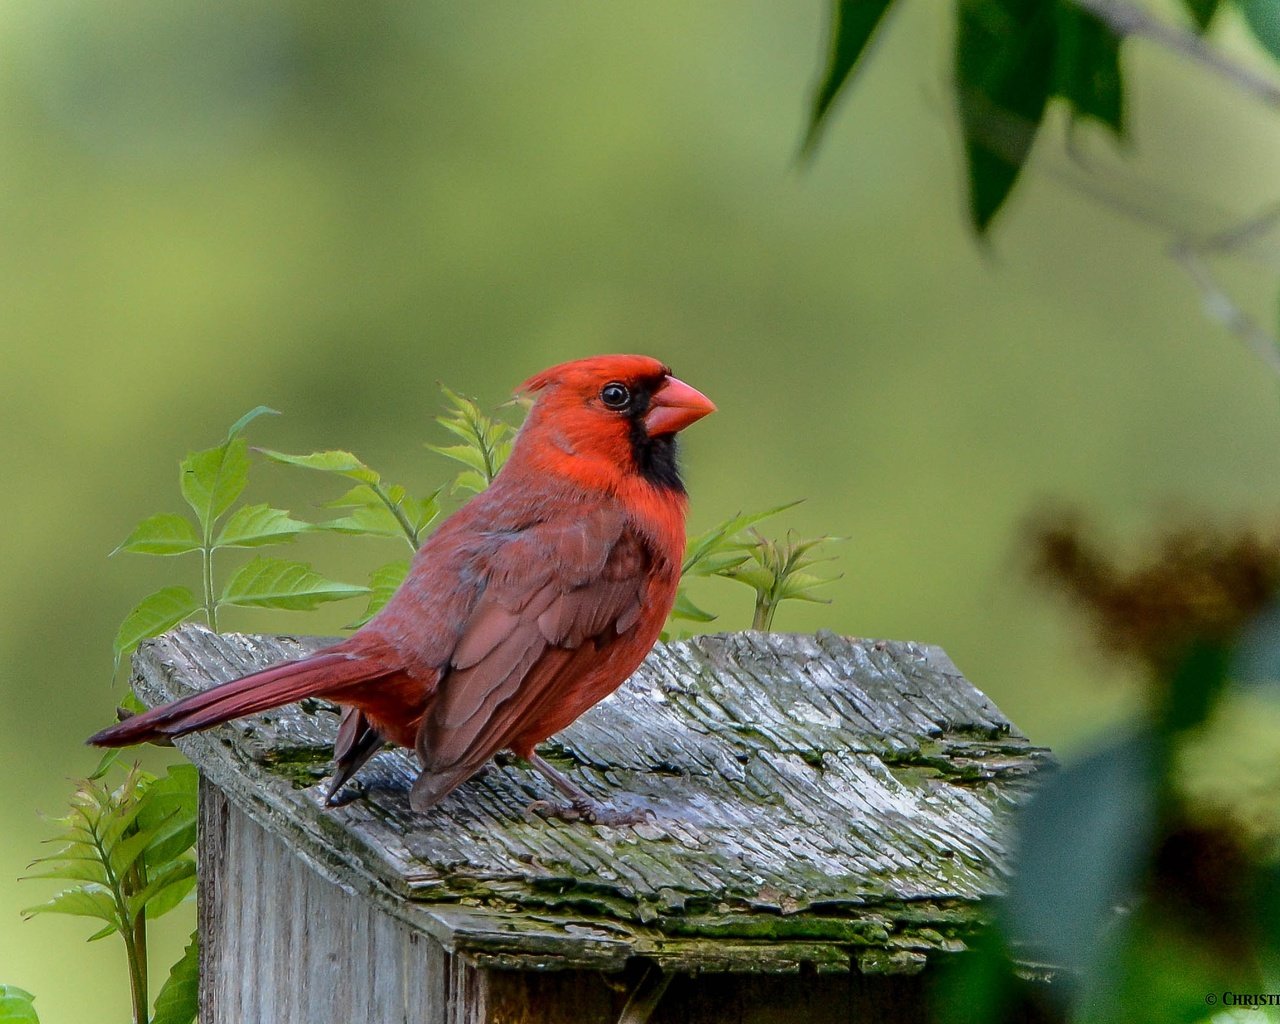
(821, 804)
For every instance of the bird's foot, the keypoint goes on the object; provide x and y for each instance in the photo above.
(590, 812)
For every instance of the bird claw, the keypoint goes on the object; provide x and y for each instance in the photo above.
(589, 813)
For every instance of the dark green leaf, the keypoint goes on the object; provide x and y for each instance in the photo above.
(213, 479)
(1004, 59)
(15, 1006)
(179, 998)
(274, 583)
(1202, 11)
(1084, 837)
(1195, 686)
(168, 813)
(162, 610)
(853, 22)
(252, 526)
(162, 535)
(166, 890)
(1263, 19)
(1087, 71)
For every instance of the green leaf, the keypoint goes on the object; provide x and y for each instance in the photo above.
(249, 417)
(1263, 19)
(16, 1006)
(366, 521)
(471, 481)
(467, 454)
(255, 525)
(162, 535)
(1195, 686)
(383, 582)
(360, 496)
(109, 757)
(722, 538)
(340, 462)
(274, 583)
(1004, 60)
(168, 813)
(75, 862)
(1087, 70)
(684, 608)
(1082, 845)
(213, 479)
(161, 611)
(166, 890)
(853, 22)
(1202, 11)
(91, 900)
(179, 997)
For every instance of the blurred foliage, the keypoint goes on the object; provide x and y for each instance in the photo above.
(1150, 887)
(128, 849)
(1011, 58)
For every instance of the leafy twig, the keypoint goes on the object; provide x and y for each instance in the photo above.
(486, 442)
(128, 848)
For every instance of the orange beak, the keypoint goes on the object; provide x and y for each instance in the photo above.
(674, 406)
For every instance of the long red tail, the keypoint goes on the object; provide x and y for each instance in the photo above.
(281, 684)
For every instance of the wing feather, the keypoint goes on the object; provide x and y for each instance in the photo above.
(549, 591)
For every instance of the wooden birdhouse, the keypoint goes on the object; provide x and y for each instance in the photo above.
(827, 815)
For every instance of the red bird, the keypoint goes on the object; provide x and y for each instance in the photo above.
(531, 603)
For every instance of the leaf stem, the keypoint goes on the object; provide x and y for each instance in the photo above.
(397, 511)
(210, 603)
(129, 931)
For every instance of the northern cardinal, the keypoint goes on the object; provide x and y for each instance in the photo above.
(532, 602)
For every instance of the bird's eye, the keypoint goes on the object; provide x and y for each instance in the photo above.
(615, 395)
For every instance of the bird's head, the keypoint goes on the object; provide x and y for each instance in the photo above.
(610, 415)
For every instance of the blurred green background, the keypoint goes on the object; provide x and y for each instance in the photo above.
(329, 208)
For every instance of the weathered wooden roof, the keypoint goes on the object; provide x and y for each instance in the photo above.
(818, 799)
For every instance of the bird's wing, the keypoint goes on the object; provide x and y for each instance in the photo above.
(554, 594)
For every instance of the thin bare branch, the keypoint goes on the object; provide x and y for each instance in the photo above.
(1220, 306)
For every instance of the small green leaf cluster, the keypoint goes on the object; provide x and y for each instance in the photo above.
(127, 848)
(1012, 57)
(211, 481)
(734, 550)
(486, 443)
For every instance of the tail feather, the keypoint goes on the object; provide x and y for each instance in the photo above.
(261, 691)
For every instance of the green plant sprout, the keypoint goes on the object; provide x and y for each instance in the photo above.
(486, 442)
(776, 571)
(735, 550)
(128, 849)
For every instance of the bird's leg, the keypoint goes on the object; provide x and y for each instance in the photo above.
(581, 806)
